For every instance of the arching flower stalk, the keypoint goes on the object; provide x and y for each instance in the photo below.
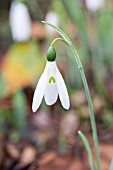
(92, 117)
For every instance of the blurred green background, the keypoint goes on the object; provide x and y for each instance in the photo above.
(21, 65)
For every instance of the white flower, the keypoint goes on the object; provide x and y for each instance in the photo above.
(20, 21)
(50, 85)
(54, 19)
(94, 5)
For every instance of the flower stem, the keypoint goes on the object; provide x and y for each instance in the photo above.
(56, 39)
(92, 116)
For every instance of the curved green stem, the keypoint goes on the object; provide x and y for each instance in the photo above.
(92, 117)
(56, 39)
(93, 123)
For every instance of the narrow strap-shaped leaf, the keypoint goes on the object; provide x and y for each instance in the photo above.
(87, 147)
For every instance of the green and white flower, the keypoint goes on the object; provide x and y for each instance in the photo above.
(50, 85)
(20, 21)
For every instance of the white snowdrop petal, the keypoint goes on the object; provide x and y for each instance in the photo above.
(51, 94)
(20, 21)
(62, 90)
(94, 5)
(54, 19)
(39, 92)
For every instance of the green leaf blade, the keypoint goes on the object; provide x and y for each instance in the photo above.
(88, 150)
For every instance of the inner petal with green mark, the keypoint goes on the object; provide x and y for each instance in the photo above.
(52, 80)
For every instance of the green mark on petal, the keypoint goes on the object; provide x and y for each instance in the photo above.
(52, 80)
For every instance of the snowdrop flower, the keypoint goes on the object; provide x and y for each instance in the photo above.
(94, 5)
(51, 84)
(20, 21)
(52, 18)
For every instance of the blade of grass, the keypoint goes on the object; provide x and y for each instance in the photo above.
(87, 147)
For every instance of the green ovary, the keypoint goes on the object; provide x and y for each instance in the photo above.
(52, 80)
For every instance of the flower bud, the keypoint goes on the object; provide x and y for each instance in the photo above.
(51, 54)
